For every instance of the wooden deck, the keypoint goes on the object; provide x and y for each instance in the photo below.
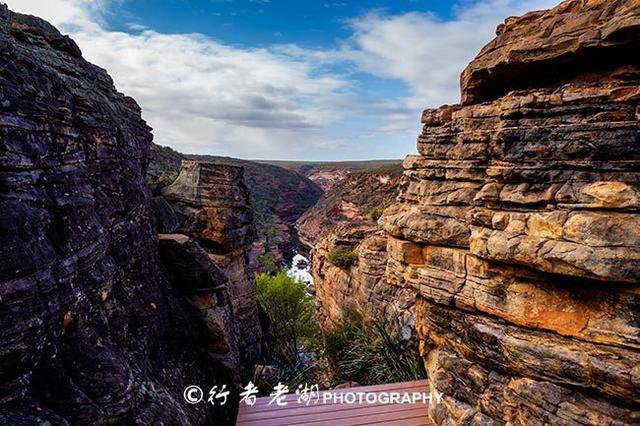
(335, 414)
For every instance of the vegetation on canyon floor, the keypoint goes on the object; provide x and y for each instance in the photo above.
(357, 350)
(292, 326)
(371, 352)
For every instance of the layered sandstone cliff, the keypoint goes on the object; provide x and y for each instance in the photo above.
(345, 219)
(91, 330)
(213, 205)
(362, 287)
(279, 196)
(358, 198)
(518, 225)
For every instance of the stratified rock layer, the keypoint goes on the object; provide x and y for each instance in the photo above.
(345, 218)
(355, 199)
(518, 225)
(361, 288)
(91, 332)
(213, 205)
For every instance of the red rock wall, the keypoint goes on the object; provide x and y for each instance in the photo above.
(362, 287)
(518, 225)
(342, 219)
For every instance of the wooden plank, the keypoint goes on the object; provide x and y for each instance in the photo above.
(294, 408)
(262, 414)
(329, 413)
(262, 403)
(355, 418)
(421, 385)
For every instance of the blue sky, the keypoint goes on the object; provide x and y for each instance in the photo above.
(281, 79)
(261, 22)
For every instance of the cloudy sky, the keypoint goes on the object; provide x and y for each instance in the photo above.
(283, 79)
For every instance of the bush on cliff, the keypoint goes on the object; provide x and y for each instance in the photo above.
(156, 183)
(342, 257)
(376, 213)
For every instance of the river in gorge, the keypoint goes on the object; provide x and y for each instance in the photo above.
(301, 268)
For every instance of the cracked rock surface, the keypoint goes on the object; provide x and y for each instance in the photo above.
(517, 225)
(91, 330)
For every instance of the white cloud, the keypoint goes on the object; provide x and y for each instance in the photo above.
(426, 52)
(202, 96)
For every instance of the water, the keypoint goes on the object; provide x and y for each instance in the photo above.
(304, 272)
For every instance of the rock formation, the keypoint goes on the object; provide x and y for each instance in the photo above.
(518, 225)
(207, 288)
(279, 197)
(358, 198)
(91, 330)
(213, 205)
(362, 287)
(345, 218)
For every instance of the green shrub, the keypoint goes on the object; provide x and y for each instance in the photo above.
(156, 183)
(371, 352)
(342, 257)
(268, 263)
(376, 212)
(293, 328)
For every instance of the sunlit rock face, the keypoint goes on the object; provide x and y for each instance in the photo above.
(91, 331)
(342, 219)
(213, 205)
(362, 287)
(518, 225)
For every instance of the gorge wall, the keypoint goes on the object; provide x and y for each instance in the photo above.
(95, 330)
(345, 219)
(213, 206)
(518, 225)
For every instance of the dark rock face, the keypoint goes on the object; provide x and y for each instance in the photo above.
(206, 287)
(213, 206)
(517, 225)
(91, 331)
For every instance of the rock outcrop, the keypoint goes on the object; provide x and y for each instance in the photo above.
(345, 218)
(213, 205)
(518, 225)
(362, 287)
(91, 330)
(279, 197)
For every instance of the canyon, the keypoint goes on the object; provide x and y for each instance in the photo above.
(507, 249)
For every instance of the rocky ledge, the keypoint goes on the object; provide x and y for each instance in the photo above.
(518, 225)
(212, 205)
